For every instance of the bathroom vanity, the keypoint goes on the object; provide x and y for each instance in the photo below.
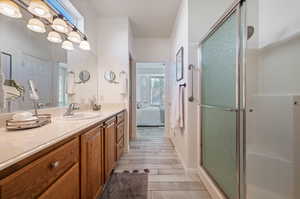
(75, 164)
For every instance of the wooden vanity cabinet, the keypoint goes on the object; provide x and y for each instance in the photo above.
(35, 178)
(110, 146)
(120, 134)
(120, 139)
(66, 187)
(76, 168)
(92, 163)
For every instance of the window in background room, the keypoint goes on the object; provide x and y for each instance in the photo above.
(143, 92)
(157, 90)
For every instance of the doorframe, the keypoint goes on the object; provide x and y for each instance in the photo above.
(132, 97)
(132, 102)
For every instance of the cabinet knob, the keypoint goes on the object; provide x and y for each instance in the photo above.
(54, 165)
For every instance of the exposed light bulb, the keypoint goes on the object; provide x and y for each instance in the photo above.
(74, 37)
(36, 25)
(54, 37)
(60, 25)
(10, 9)
(85, 45)
(39, 8)
(67, 45)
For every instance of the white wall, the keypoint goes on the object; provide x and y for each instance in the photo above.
(113, 55)
(114, 46)
(274, 26)
(179, 38)
(152, 49)
(79, 60)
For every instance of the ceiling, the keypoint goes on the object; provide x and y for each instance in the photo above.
(149, 18)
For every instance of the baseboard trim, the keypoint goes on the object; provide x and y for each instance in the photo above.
(213, 190)
(179, 155)
(186, 169)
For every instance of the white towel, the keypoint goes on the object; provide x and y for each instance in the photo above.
(2, 92)
(181, 106)
(177, 114)
(71, 83)
(123, 83)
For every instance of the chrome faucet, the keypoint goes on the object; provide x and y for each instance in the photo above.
(72, 107)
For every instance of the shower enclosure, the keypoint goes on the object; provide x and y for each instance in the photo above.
(250, 137)
(221, 104)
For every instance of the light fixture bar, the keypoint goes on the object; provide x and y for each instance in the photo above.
(24, 6)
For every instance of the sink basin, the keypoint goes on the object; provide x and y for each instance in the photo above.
(82, 116)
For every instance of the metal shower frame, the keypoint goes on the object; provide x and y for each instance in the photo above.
(238, 8)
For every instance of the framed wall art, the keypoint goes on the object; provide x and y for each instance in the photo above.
(179, 64)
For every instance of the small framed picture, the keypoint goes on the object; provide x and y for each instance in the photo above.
(179, 64)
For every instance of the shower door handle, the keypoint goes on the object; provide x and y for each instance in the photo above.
(220, 108)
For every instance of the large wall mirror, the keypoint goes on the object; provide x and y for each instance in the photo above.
(27, 55)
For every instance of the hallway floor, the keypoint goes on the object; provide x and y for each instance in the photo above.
(167, 179)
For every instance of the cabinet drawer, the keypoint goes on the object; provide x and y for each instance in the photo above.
(120, 117)
(66, 187)
(120, 131)
(32, 180)
(120, 148)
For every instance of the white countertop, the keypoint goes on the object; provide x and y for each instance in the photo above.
(18, 145)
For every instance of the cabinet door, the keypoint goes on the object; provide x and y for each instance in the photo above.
(120, 131)
(110, 148)
(66, 187)
(120, 148)
(92, 166)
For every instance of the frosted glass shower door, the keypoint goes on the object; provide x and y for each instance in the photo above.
(219, 105)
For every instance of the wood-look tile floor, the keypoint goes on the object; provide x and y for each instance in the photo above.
(167, 179)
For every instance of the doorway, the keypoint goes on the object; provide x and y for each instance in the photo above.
(150, 98)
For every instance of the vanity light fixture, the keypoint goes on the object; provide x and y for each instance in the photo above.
(84, 44)
(36, 25)
(10, 9)
(74, 36)
(54, 37)
(39, 8)
(67, 45)
(59, 25)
